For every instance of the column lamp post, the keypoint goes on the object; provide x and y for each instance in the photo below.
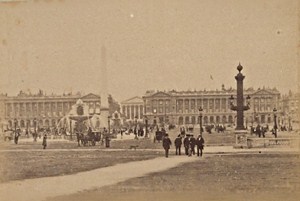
(34, 124)
(200, 119)
(240, 107)
(290, 125)
(275, 123)
(154, 119)
(70, 129)
(35, 134)
(15, 124)
(108, 118)
(146, 125)
(135, 128)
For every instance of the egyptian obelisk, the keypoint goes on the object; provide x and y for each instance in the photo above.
(104, 110)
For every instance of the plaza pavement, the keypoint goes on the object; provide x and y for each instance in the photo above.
(42, 188)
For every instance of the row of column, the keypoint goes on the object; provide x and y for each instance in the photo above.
(39, 122)
(267, 103)
(36, 108)
(206, 119)
(261, 119)
(132, 111)
(221, 107)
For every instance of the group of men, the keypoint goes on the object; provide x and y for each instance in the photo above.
(189, 142)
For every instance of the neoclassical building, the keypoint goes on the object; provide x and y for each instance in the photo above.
(133, 108)
(290, 109)
(182, 107)
(45, 110)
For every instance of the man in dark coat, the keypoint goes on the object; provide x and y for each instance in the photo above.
(186, 144)
(166, 144)
(17, 135)
(178, 143)
(192, 145)
(44, 141)
(258, 130)
(200, 145)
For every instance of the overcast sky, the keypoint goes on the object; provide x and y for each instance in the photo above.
(56, 45)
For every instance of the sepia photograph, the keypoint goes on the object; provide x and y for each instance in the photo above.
(154, 100)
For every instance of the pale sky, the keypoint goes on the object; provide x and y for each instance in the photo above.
(55, 45)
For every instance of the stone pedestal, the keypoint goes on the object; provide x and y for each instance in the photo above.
(241, 137)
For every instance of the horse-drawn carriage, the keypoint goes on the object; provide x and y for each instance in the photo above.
(87, 138)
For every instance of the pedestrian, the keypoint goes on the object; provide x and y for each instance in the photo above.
(44, 141)
(178, 143)
(121, 133)
(17, 135)
(258, 130)
(192, 144)
(186, 144)
(166, 144)
(263, 131)
(200, 145)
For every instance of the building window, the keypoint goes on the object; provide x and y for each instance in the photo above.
(193, 104)
(193, 120)
(187, 120)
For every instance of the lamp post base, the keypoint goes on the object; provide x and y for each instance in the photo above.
(241, 137)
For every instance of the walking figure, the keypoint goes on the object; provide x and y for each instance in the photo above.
(186, 144)
(200, 145)
(17, 135)
(192, 145)
(178, 143)
(166, 145)
(44, 141)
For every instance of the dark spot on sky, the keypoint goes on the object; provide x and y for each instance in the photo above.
(278, 32)
(4, 42)
(18, 21)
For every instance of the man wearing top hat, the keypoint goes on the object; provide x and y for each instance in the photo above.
(186, 144)
(200, 145)
(178, 143)
(192, 145)
(166, 144)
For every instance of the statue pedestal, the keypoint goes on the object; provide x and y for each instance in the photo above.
(241, 137)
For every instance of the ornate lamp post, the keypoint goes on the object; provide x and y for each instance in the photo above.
(154, 119)
(135, 128)
(240, 107)
(290, 124)
(70, 129)
(200, 119)
(146, 125)
(108, 118)
(275, 123)
(15, 124)
(35, 134)
(34, 124)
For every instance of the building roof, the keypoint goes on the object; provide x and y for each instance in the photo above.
(133, 100)
(224, 91)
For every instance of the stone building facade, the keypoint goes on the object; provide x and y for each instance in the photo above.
(182, 107)
(133, 109)
(46, 110)
(290, 110)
